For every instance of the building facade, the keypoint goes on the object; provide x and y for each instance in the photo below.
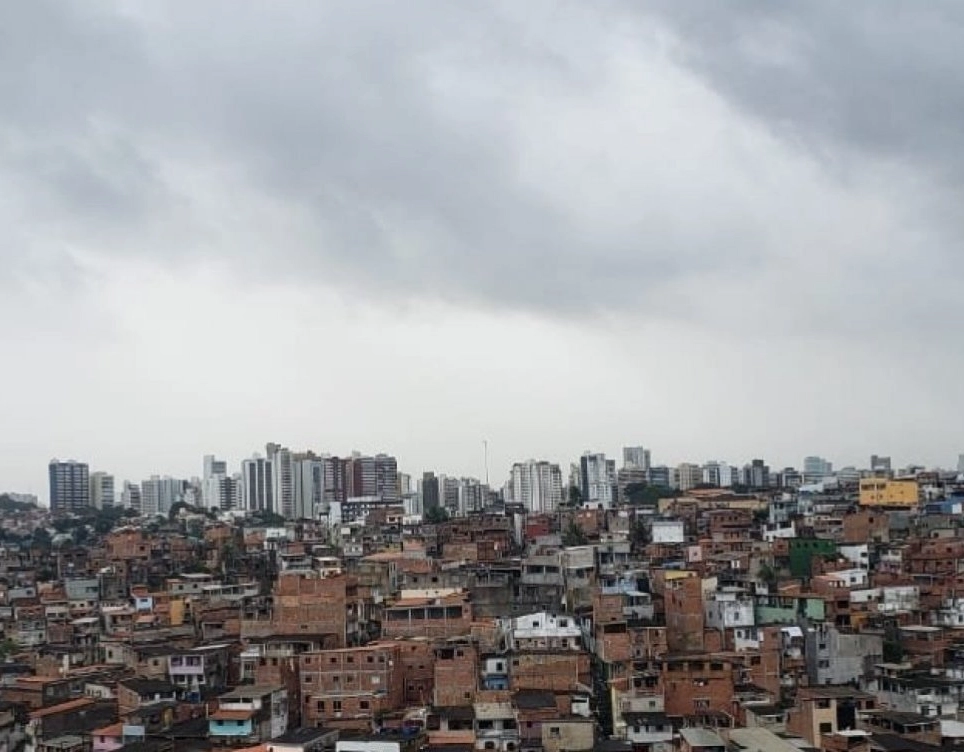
(69, 486)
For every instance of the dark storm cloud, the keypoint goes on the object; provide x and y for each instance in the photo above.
(398, 134)
(884, 80)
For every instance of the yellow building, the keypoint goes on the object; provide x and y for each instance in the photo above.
(881, 492)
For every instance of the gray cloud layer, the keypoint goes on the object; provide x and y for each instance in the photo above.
(504, 153)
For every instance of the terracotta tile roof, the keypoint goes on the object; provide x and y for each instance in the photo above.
(63, 707)
(231, 715)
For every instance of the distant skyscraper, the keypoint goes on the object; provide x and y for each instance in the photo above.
(688, 475)
(213, 466)
(131, 496)
(431, 498)
(159, 494)
(597, 477)
(879, 464)
(636, 457)
(69, 486)
(815, 469)
(448, 489)
(372, 476)
(473, 495)
(660, 476)
(282, 462)
(309, 486)
(257, 475)
(101, 490)
(336, 486)
(537, 485)
(960, 463)
(756, 474)
(213, 490)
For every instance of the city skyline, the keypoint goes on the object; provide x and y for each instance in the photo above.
(810, 469)
(415, 227)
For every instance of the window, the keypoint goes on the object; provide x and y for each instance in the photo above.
(826, 728)
(823, 704)
(554, 732)
(363, 704)
(351, 659)
(336, 705)
(320, 706)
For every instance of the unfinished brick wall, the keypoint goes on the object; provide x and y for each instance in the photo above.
(456, 675)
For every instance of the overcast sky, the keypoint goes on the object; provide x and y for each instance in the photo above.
(721, 230)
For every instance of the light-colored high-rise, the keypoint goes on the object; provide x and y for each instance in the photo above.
(309, 486)
(688, 475)
(101, 490)
(282, 462)
(536, 485)
(636, 457)
(159, 494)
(815, 469)
(473, 495)
(597, 478)
(214, 491)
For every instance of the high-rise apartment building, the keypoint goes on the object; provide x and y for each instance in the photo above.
(309, 486)
(756, 474)
(131, 496)
(213, 487)
(431, 497)
(636, 457)
(880, 465)
(282, 462)
(473, 495)
(688, 475)
(257, 475)
(159, 494)
(711, 473)
(597, 478)
(448, 489)
(101, 490)
(536, 485)
(336, 486)
(372, 476)
(626, 479)
(659, 476)
(816, 469)
(213, 466)
(69, 486)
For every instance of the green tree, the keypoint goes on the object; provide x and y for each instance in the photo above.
(638, 534)
(269, 518)
(574, 496)
(436, 515)
(41, 538)
(574, 535)
(768, 576)
(893, 651)
(7, 646)
(641, 494)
